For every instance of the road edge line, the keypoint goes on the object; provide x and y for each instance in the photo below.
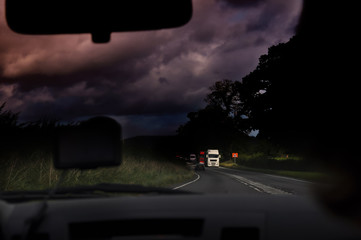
(183, 185)
(257, 185)
(273, 175)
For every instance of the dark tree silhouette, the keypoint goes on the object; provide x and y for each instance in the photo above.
(8, 119)
(269, 99)
(286, 98)
(273, 96)
(224, 95)
(9, 130)
(210, 127)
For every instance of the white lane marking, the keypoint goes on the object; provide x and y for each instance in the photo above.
(276, 176)
(256, 185)
(198, 177)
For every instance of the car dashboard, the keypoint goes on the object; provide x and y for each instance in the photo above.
(187, 216)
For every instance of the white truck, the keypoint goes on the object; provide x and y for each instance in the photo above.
(212, 157)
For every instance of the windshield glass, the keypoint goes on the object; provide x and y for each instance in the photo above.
(208, 85)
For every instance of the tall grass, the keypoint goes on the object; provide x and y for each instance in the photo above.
(36, 172)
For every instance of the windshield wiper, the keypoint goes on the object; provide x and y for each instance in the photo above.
(87, 192)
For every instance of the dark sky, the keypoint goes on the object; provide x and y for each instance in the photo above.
(150, 80)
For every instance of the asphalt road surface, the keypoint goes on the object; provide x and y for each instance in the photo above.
(224, 180)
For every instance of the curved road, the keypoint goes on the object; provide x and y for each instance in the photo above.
(225, 180)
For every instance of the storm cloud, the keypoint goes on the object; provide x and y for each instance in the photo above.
(141, 75)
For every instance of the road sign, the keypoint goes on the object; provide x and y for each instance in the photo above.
(235, 155)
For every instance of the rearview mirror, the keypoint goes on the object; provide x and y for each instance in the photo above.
(94, 143)
(99, 17)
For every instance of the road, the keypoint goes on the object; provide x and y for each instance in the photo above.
(224, 180)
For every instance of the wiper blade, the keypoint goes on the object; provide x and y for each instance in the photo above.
(88, 191)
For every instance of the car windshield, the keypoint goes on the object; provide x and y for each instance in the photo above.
(211, 84)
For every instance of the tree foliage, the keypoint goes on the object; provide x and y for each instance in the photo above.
(291, 99)
(26, 136)
(225, 96)
(8, 119)
(208, 128)
(270, 99)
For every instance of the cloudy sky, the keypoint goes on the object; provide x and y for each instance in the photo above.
(149, 80)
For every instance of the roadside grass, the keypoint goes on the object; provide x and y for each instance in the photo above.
(314, 176)
(36, 171)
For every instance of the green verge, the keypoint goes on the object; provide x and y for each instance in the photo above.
(37, 172)
(303, 175)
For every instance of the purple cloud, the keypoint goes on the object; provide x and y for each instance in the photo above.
(140, 74)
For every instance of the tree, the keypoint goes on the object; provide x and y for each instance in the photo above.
(224, 95)
(210, 127)
(280, 98)
(9, 129)
(285, 107)
(8, 119)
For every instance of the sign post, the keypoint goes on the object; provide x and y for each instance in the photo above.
(234, 155)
